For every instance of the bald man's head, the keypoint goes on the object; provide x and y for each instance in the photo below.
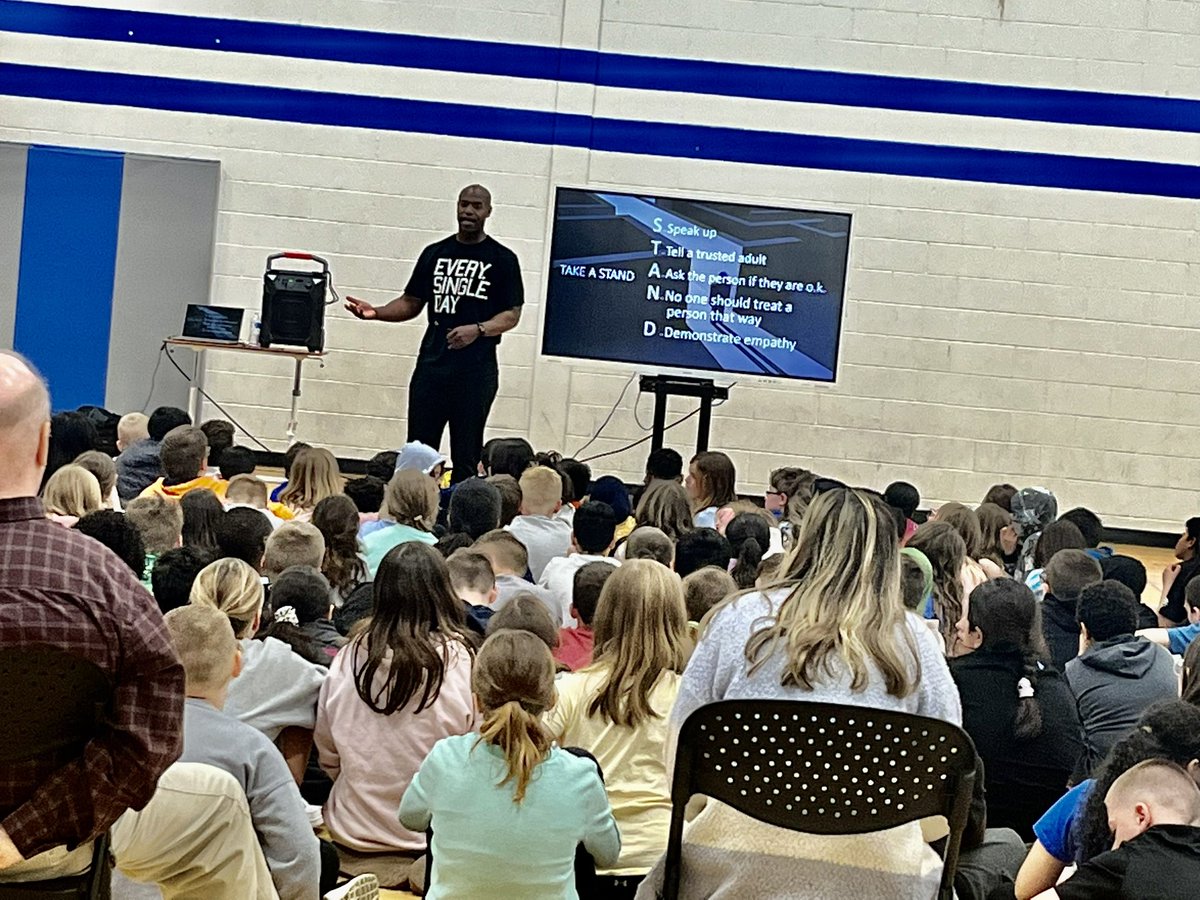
(24, 426)
(1154, 792)
(474, 207)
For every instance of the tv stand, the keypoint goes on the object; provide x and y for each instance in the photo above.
(664, 386)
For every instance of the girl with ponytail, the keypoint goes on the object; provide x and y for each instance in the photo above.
(750, 537)
(508, 808)
(1019, 711)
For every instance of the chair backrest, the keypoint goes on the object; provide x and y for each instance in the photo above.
(822, 768)
(53, 702)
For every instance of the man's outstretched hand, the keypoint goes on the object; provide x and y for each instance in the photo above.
(360, 309)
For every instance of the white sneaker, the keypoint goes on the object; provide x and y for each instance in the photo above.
(364, 887)
(315, 817)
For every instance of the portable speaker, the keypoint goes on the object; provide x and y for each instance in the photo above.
(293, 306)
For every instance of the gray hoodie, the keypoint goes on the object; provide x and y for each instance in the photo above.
(1113, 683)
(138, 467)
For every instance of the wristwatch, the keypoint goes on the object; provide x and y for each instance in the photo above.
(479, 325)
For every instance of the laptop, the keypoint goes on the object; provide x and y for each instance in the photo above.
(220, 324)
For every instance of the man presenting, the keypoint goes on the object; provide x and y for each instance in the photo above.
(471, 285)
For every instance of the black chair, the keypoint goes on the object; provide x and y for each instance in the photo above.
(822, 768)
(53, 703)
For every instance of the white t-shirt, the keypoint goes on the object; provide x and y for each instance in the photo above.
(559, 581)
(544, 538)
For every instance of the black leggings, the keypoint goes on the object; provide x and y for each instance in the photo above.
(462, 401)
(330, 863)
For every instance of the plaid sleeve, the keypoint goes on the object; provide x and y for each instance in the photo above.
(120, 767)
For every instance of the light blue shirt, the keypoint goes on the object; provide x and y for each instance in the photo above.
(706, 518)
(1180, 637)
(377, 544)
(485, 845)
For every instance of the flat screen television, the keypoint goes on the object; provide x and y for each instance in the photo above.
(701, 285)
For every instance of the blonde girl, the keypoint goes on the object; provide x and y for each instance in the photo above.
(508, 808)
(617, 707)
(71, 493)
(314, 476)
(410, 508)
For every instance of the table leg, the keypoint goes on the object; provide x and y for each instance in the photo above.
(292, 422)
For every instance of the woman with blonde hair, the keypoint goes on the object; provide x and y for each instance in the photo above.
(409, 512)
(835, 630)
(711, 483)
(506, 806)
(277, 688)
(71, 493)
(665, 505)
(313, 477)
(617, 708)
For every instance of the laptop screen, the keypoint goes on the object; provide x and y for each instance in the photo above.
(213, 323)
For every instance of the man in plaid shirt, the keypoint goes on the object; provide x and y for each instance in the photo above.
(61, 589)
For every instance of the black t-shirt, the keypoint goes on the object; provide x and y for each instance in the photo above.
(463, 284)
(1162, 862)
(1175, 609)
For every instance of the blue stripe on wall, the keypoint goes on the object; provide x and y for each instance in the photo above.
(616, 135)
(68, 259)
(606, 69)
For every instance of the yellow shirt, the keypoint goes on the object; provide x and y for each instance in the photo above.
(175, 491)
(633, 761)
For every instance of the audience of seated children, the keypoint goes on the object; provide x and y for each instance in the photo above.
(648, 542)
(120, 536)
(277, 689)
(242, 533)
(699, 548)
(1180, 637)
(211, 660)
(703, 590)
(575, 645)
(251, 491)
(510, 497)
(946, 551)
(140, 463)
(337, 520)
(184, 458)
(506, 807)
(1116, 676)
(474, 508)
(665, 505)
(592, 539)
(1175, 577)
(544, 535)
(905, 497)
(313, 477)
(617, 709)
(474, 584)
(1154, 809)
(70, 494)
(1067, 573)
(202, 514)
(1057, 536)
(160, 523)
(175, 572)
(1019, 712)
(393, 692)
(301, 615)
(749, 541)
(101, 465)
(611, 490)
(795, 644)
(1076, 828)
(1032, 508)
(409, 513)
(711, 483)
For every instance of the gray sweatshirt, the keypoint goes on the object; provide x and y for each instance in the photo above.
(276, 808)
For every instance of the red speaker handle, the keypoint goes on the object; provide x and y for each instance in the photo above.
(293, 254)
(296, 254)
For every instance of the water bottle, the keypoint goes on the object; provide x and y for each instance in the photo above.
(255, 330)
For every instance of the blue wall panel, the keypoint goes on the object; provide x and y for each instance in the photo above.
(68, 260)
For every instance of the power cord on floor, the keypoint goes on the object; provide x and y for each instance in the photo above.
(167, 350)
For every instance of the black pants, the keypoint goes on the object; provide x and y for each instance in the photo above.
(462, 400)
(330, 863)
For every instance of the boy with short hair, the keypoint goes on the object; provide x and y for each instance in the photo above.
(537, 527)
(211, 660)
(704, 589)
(175, 572)
(509, 562)
(293, 544)
(1116, 676)
(648, 542)
(1066, 575)
(251, 491)
(510, 497)
(699, 548)
(237, 460)
(1154, 810)
(575, 645)
(131, 428)
(160, 523)
(184, 457)
(474, 582)
(242, 533)
(592, 536)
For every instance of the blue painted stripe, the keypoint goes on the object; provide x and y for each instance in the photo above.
(68, 260)
(616, 135)
(605, 69)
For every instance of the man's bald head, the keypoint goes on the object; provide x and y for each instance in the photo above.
(24, 426)
(477, 190)
(474, 207)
